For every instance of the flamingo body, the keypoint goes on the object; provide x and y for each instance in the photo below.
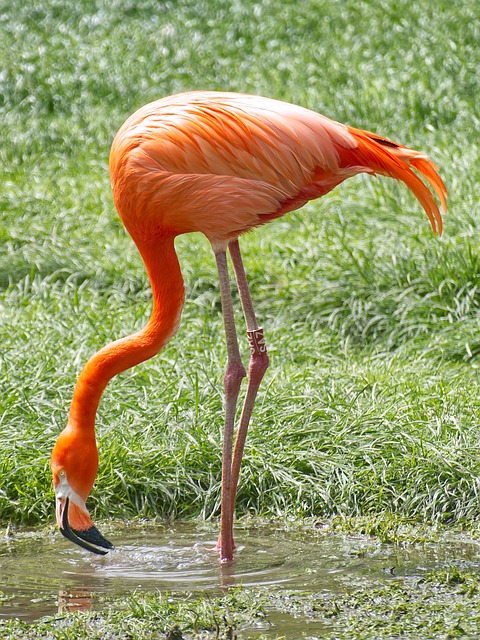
(224, 163)
(221, 164)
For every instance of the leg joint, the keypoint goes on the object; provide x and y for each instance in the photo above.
(233, 377)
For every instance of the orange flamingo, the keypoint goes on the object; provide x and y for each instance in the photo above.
(222, 164)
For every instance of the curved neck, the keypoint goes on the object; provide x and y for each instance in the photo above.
(165, 277)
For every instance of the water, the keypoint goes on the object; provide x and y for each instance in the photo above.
(41, 576)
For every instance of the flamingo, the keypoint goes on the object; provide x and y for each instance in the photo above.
(222, 164)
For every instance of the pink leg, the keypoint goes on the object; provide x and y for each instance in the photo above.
(234, 374)
(258, 365)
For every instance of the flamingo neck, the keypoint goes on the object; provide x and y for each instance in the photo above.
(166, 280)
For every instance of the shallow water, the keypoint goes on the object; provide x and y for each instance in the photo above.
(41, 576)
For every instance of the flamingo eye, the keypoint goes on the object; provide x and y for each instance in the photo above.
(61, 473)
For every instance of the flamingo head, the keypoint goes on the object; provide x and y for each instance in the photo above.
(74, 464)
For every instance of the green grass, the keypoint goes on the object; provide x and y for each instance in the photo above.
(370, 407)
(371, 403)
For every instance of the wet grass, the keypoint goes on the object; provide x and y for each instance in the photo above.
(442, 605)
(371, 404)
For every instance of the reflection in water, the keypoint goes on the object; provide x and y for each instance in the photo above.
(74, 600)
(226, 575)
(43, 576)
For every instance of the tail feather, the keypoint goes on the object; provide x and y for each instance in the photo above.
(430, 172)
(388, 158)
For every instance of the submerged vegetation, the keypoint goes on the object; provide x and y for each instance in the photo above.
(371, 401)
(370, 406)
(441, 606)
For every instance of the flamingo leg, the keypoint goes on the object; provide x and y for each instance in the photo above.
(257, 367)
(234, 374)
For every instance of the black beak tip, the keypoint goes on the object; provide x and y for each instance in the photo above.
(89, 539)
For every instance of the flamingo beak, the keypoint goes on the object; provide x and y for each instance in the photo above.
(89, 538)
